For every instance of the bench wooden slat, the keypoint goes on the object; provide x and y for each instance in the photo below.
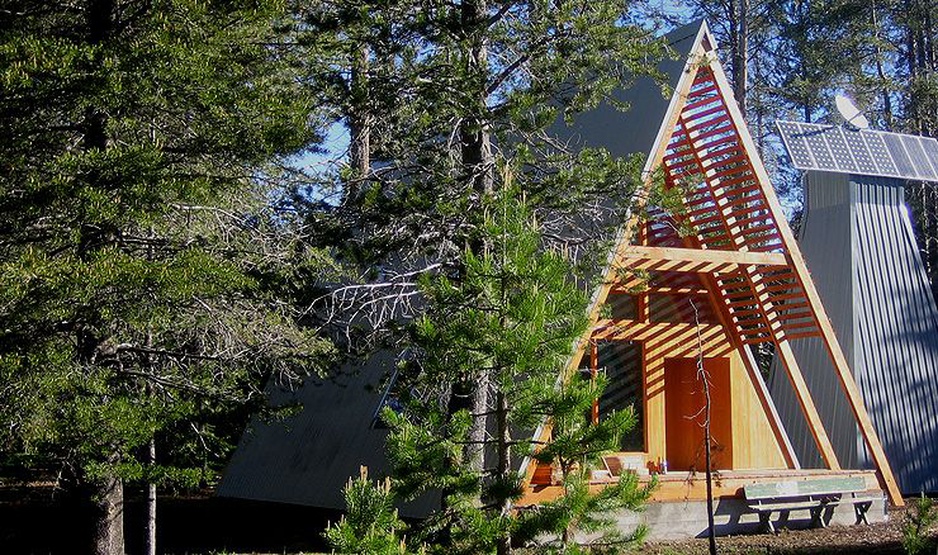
(787, 506)
(815, 495)
(804, 488)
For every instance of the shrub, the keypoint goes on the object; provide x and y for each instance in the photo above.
(919, 520)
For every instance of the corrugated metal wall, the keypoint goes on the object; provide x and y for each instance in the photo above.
(827, 220)
(897, 334)
(858, 242)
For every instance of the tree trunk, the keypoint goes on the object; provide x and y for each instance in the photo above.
(359, 122)
(731, 14)
(108, 498)
(149, 540)
(476, 159)
(504, 464)
(741, 63)
(477, 431)
(704, 377)
(149, 527)
(881, 72)
(108, 491)
(708, 454)
(475, 154)
(475, 142)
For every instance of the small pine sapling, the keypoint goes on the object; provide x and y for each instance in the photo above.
(581, 520)
(919, 520)
(370, 524)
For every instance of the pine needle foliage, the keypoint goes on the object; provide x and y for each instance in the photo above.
(144, 269)
(509, 321)
(916, 533)
(446, 95)
(370, 525)
(580, 521)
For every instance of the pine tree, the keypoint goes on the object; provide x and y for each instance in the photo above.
(450, 89)
(455, 91)
(371, 525)
(145, 275)
(509, 321)
(439, 115)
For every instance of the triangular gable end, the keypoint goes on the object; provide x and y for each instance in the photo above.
(732, 252)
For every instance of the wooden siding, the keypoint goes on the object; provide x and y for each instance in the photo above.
(669, 347)
(756, 446)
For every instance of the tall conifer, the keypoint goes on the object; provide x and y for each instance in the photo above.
(142, 288)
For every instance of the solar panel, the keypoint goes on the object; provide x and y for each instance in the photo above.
(843, 157)
(879, 154)
(860, 151)
(931, 152)
(817, 144)
(797, 149)
(899, 156)
(913, 146)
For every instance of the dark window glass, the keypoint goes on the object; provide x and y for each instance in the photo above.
(621, 361)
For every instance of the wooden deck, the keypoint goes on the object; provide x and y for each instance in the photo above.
(688, 486)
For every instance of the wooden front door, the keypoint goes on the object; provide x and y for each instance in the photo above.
(685, 414)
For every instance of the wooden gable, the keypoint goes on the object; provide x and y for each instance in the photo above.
(729, 257)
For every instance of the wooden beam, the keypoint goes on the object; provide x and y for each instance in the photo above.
(662, 290)
(634, 330)
(848, 384)
(677, 266)
(594, 373)
(702, 256)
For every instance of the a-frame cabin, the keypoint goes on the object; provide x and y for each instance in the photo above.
(711, 279)
(730, 257)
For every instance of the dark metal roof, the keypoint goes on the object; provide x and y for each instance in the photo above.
(307, 458)
(633, 131)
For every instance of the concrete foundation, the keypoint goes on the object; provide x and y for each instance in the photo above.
(676, 520)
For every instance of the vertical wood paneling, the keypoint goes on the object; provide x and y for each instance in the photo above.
(755, 444)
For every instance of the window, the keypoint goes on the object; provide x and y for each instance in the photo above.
(621, 362)
(389, 398)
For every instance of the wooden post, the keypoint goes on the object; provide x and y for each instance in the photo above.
(594, 372)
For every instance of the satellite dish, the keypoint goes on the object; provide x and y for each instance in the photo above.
(850, 113)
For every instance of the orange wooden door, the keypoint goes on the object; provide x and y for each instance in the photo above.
(685, 414)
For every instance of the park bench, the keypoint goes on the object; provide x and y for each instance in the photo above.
(815, 495)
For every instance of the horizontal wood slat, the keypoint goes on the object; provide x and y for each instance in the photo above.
(671, 254)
